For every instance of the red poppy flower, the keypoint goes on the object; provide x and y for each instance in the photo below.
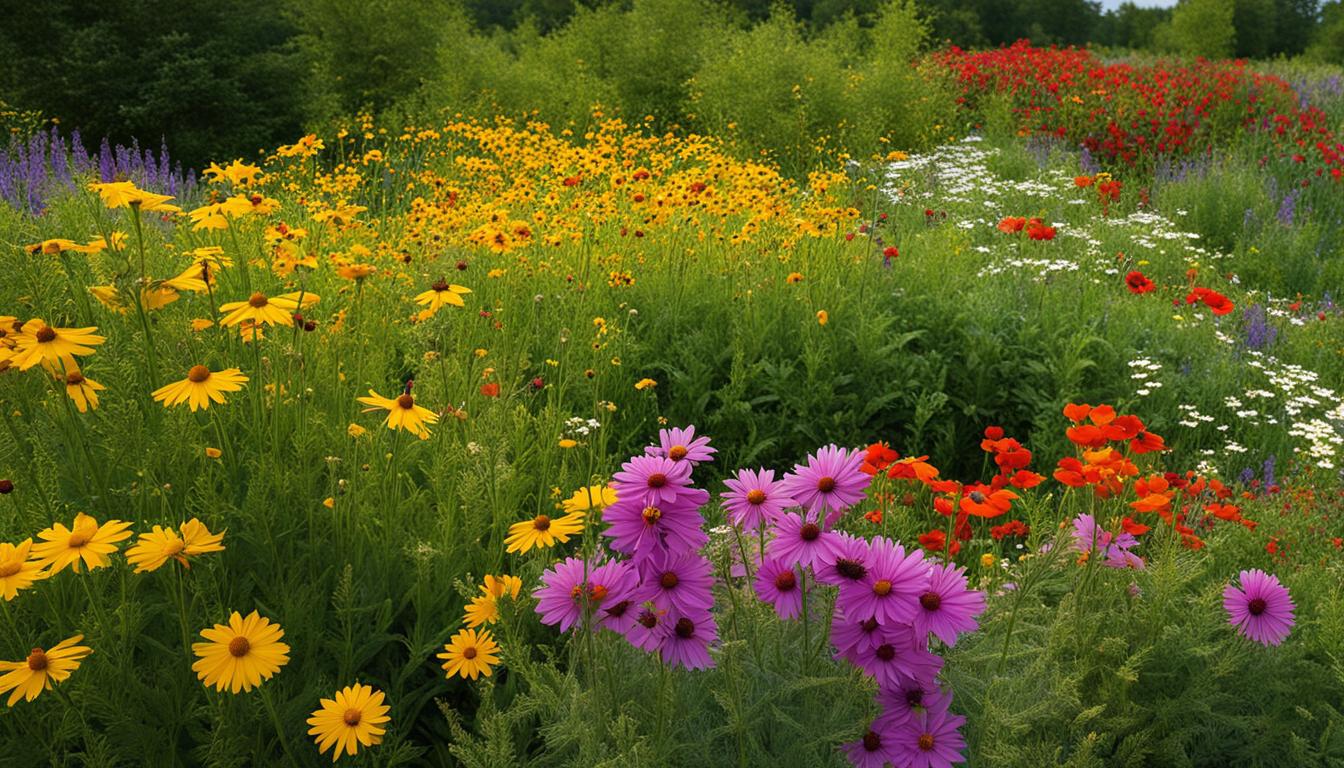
(1010, 529)
(936, 541)
(982, 501)
(1138, 284)
(1083, 181)
(1038, 230)
(1012, 224)
(1147, 442)
(490, 390)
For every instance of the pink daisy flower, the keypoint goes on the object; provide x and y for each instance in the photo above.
(929, 740)
(901, 658)
(754, 498)
(948, 607)
(874, 750)
(646, 631)
(798, 541)
(686, 639)
(652, 480)
(832, 480)
(902, 702)
(1261, 608)
(641, 529)
(570, 586)
(681, 583)
(844, 560)
(891, 588)
(778, 584)
(682, 445)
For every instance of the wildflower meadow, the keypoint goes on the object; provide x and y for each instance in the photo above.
(1010, 433)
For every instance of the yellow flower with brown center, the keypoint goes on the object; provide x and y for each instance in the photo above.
(440, 294)
(17, 568)
(35, 674)
(84, 542)
(260, 308)
(83, 391)
(153, 549)
(356, 272)
(241, 654)
(402, 413)
(201, 386)
(37, 342)
(470, 654)
(542, 531)
(354, 717)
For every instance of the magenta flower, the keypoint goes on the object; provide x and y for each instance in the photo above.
(798, 541)
(902, 702)
(843, 562)
(831, 480)
(1261, 608)
(682, 445)
(854, 638)
(948, 606)
(686, 639)
(929, 740)
(755, 497)
(646, 631)
(1113, 549)
(874, 750)
(572, 584)
(652, 480)
(642, 530)
(678, 583)
(902, 657)
(891, 588)
(778, 584)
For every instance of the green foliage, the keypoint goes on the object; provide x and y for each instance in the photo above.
(1203, 28)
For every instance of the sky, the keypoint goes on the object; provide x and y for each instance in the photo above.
(1112, 4)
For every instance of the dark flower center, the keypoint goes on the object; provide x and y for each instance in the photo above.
(926, 742)
(930, 601)
(685, 629)
(618, 610)
(74, 378)
(1257, 606)
(872, 742)
(37, 660)
(406, 401)
(826, 484)
(657, 480)
(198, 373)
(45, 334)
(652, 515)
(886, 652)
(239, 646)
(440, 285)
(541, 523)
(809, 532)
(850, 569)
(669, 580)
(756, 496)
(258, 300)
(677, 452)
(786, 581)
(915, 697)
(868, 625)
(977, 497)
(648, 619)
(469, 653)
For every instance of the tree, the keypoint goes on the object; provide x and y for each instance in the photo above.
(1203, 28)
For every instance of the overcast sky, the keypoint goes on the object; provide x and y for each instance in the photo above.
(1108, 4)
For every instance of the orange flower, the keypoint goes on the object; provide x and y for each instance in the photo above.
(1147, 442)
(985, 502)
(1076, 413)
(1012, 224)
(913, 468)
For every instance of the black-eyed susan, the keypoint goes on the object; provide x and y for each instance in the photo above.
(200, 387)
(36, 342)
(441, 293)
(357, 272)
(85, 543)
(354, 717)
(35, 674)
(124, 194)
(470, 654)
(402, 413)
(543, 531)
(241, 654)
(153, 549)
(18, 570)
(499, 586)
(83, 391)
(260, 308)
(484, 608)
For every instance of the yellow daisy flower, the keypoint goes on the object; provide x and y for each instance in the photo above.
(440, 294)
(35, 674)
(592, 497)
(85, 541)
(354, 717)
(83, 391)
(200, 387)
(17, 570)
(470, 654)
(402, 413)
(483, 609)
(241, 654)
(153, 549)
(499, 586)
(542, 531)
(260, 308)
(37, 342)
